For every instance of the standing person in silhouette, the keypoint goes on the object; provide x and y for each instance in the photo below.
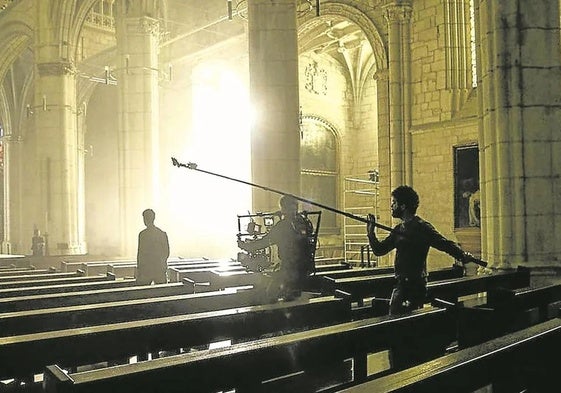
(153, 252)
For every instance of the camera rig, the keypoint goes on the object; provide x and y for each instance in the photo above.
(254, 226)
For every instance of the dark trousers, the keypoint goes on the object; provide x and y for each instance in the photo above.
(148, 278)
(284, 284)
(408, 295)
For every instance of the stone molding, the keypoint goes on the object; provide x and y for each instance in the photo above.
(381, 74)
(56, 68)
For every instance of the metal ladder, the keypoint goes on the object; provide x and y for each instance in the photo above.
(360, 198)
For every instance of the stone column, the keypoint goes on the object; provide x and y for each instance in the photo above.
(137, 80)
(5, 246)
(398, 16)
(384, 154)
(519, 62)
(55, 182)
(57, 156)
(273, 67)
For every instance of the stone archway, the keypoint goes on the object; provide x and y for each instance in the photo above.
(348, 37)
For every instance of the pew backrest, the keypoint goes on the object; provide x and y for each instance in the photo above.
(47, 275)
(47, 319)
(74, 279)
(92, 344)
(247, 364)
(522, 360)
(51, 300)
(90, 284)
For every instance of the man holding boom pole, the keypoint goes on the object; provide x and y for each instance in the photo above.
(411, 239)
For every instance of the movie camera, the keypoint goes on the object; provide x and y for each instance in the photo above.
(254, 226)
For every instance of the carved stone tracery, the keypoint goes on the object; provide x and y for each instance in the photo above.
(316, 79)
(149, 26)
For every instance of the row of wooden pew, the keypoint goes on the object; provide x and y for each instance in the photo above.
(278, 363)
(126, 268)
(316, 343)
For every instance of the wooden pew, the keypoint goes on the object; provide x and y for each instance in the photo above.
(381, 286)
(214, 280)
(32, 275)
(129, 269)
(91, 284)
(246, 365)
(29, 354)
(355, 272)
(53, 281)
(452, 290)
(174, 260)
(122, 270)
(68, 266)
(504, 311)
(520, 361)
(119, 267)
(25, 270)
(8, 268)
(328, 267)
(201, 274)
(206, 264)
(525, 298)
(50, 300)
(99, 266)
(319, 280)
(33, 321)
(13, 260)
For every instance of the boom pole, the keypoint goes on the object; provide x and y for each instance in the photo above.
(193, 166)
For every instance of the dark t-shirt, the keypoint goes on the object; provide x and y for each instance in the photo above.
(291, 235)
(412, 241)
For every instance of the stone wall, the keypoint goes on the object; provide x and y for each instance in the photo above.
(443, 115)
(433, 176)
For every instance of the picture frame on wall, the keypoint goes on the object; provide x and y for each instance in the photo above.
(467, 201)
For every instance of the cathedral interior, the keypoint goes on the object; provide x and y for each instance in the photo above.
(337, 102)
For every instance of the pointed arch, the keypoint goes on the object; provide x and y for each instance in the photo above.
(349, 36)
(359, 18)
(15, 37)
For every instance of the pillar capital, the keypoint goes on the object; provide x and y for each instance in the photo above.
(399, 11)
(381, 74)
(147, 25)
(56, 68)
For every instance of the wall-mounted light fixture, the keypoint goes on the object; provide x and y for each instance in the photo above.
(230, 10)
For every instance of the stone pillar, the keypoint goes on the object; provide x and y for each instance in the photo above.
(273, 67)
(384, 154)
(55, 187)
(137, 80)
(398, 16)
(519, 62)
(57, 157)
(5, 246)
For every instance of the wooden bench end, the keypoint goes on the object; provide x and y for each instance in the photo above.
(54, 378)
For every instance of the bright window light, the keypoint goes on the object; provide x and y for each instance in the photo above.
(219, 142)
